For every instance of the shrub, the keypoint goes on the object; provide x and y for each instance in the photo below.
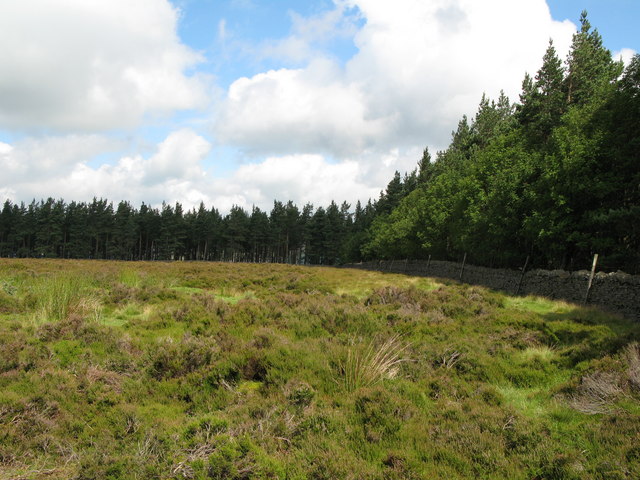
(205, 428)
(169, 359)
(8, 301)
(380, 415)
(300, 394)
(240, 458)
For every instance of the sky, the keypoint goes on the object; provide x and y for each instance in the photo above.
(242, 102)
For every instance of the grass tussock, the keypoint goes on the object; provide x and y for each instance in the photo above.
(204, 370)
(597, 393)
(367, 367)
(60, 295)
(632, 354)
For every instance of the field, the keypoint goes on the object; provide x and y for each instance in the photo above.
(115, 370)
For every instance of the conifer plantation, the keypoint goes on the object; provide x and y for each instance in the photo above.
(555, 176)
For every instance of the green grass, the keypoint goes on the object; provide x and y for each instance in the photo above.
(114, 370)
(536, 304)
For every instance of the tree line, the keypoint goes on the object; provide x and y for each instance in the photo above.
(286, 234)
(97, 229)
(554, 177)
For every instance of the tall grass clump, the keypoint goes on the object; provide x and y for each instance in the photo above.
(597, 393)
(130, 278)
(58, 296)
(369, 366)
(632, 354)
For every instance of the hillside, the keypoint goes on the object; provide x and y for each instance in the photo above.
(117, 370)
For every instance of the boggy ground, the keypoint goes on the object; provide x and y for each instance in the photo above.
(114, 370)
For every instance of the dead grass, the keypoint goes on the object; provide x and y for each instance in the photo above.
(632, 354)
(597, 393)
(369, 366)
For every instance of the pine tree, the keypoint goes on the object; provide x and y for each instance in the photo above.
(8, 222)
(425, 168)
(590, 68)
(543, 102)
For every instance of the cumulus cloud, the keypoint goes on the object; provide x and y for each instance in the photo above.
(419, 67)
(304, 178)
(626, 55)
(179, 156)
(173, 173)
(90, 65)
(309, 34)
(299, 110)
(326, 130)
(36, 159)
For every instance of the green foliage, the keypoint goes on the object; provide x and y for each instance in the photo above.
(554, 178)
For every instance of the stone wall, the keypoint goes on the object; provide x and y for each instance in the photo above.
(615, 292)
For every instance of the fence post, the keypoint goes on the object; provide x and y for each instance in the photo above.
(464, 260)
(406, 263)
(524, 269)
(593, 271)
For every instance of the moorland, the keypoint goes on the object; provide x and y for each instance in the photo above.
(121, 370)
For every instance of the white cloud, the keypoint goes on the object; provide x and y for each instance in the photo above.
(303, 110)
(179, 156)
(303, 178)
(626, 55)
(310, 178)
(222, 30)
(37, 159)
(90, 65)
(173, 173)
(310, 34)
(420, 66)
(324, 131)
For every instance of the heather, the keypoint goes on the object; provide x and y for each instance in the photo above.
(227, 370)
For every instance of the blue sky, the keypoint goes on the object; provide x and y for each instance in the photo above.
(246, 101)
(616, 20)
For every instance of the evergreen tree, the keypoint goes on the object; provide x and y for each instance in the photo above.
(590, 68)
(236, 234)
(259, 228)
(125, 235)
(8, 223)
(543, 102)
(425, 168)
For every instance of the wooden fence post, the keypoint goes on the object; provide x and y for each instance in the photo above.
(524, 269)
(593, 272)
(464, 260)
(406, 263)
